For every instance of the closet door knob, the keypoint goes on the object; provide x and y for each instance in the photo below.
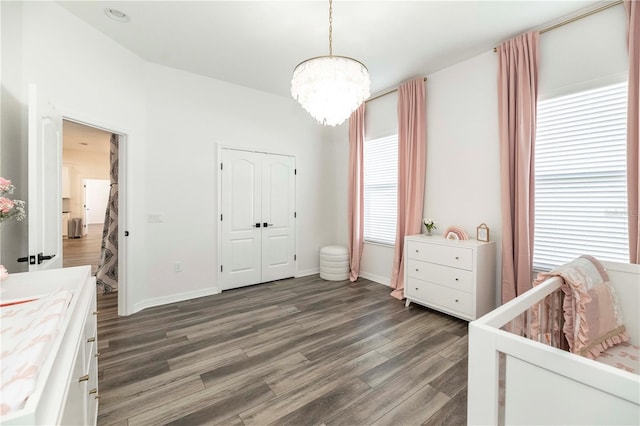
(258, 225)
(83, 378)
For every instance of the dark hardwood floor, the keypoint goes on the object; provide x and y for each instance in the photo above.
(294, 352)
(83, 251)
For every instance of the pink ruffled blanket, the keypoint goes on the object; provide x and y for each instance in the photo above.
(592, 317)
(26, 333)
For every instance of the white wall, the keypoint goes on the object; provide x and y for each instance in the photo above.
(187, 117)
(88, 77)
(463, 170)
(172, 121)
(13, 153)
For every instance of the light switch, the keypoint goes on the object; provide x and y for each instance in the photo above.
(155, 218)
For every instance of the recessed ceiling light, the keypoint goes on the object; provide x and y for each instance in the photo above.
(116, 15)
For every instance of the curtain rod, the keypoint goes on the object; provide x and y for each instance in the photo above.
(576, 18)
(395, 89)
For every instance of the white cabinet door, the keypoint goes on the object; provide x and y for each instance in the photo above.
(258, 224)
(45, 187)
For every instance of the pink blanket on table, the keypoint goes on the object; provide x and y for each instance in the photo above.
(27, 332)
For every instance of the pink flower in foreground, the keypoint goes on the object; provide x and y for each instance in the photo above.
(6, 205)
(5, 184)
(3, 273)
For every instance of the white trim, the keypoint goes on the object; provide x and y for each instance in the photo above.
(307, 272)
(376, 278)
(173, 298)
(249, 149)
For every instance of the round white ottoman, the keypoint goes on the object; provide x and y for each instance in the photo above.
(334, 263)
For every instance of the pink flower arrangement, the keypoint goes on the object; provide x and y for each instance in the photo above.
(10, 208)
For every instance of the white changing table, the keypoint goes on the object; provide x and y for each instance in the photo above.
(66, 389)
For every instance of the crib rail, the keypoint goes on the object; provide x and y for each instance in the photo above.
(542, 322)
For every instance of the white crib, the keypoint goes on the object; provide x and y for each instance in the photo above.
(514, 380)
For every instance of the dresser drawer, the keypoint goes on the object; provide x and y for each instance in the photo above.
(457, 257)
(443, 298)
(458, 279)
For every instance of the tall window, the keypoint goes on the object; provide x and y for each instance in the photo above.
(580, 178)
(380, 189)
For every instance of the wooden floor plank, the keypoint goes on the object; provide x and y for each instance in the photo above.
(416, 409)
(301, 351)
(374, 404)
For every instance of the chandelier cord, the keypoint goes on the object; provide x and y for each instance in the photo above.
(330, 27)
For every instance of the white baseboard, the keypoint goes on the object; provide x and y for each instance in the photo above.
(308, 272)
(158, 301)
(376, 278)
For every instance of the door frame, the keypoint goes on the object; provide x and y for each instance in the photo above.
(219, 148)
(123, 255)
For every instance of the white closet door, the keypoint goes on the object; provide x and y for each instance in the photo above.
(278, 209)
(258, 223)
(240, 198)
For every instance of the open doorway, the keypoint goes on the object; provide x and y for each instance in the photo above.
(89, 186)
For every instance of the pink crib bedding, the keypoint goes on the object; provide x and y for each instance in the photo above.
(624, 356)
(27, 332)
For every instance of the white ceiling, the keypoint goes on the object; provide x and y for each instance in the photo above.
(257, 44)
(78, 137)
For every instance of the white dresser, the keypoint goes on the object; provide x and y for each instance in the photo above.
(454, 277)
(66, 388)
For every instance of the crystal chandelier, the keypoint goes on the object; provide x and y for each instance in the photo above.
(330, 87)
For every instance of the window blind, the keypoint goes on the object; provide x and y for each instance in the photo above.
(380, 189)
(580, 178)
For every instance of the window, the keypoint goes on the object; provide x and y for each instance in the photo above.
(380, 189)
(580, 178)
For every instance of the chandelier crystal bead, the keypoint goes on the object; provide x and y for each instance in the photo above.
(330, 87)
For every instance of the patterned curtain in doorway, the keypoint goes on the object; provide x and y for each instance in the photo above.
(107, 273)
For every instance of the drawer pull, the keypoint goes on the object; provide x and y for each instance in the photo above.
(416, 288)
(417, 251)
(96, 312)
(83, 378)
(91, 339)
(457, 279)
(98, 396)
(92, 391)
(97, 354)
(456, 300)
(416, 269)
(457, 258)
